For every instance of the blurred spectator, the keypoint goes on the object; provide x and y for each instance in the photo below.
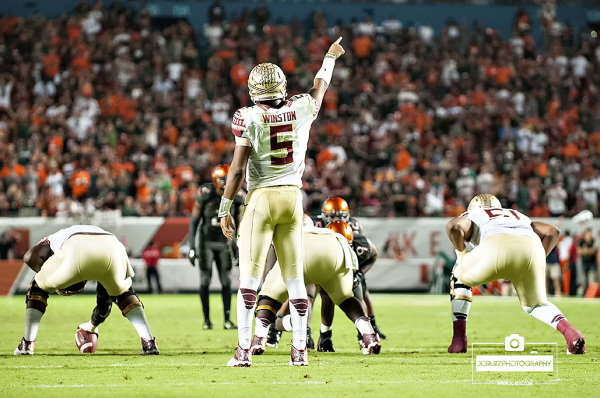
(557, 197)
(588, 252)
(8, 243)
(553, 273)
(151, 256)
(102, 106)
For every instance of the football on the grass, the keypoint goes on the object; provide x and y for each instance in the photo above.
(86, 342)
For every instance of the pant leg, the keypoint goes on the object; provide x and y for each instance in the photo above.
(117, 277)
(224, 261)
(526, 268)
(206, 257)
(479, 266)
(255, 233)
(288, 237)
(103, 305)
(61, 269)
(274, 286)
(149, 278)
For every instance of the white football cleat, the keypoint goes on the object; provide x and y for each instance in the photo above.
(25, 347)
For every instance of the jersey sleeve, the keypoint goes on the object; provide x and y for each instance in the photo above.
(238, 126)
(307, 103)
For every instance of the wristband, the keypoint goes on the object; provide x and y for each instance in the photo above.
(326, 70)
(330, 55)
(460, 254)
(225, 206)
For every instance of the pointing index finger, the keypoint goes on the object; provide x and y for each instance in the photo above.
(338, 40)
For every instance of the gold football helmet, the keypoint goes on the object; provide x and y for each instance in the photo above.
(484, 201)
(267, 82)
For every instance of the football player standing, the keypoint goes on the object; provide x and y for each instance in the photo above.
(212, 245)
(271, 141)
(508, 245)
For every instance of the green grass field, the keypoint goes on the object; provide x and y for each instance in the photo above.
(413, 361)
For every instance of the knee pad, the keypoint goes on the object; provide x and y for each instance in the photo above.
(459, 291)
(37, 297)
(126, 304)
(266, 303)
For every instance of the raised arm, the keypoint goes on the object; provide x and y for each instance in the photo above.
(323, 76)
(548, 233)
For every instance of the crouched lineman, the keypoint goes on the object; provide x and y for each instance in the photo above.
(329, 263)
(333, 209)
(64, 261)
(508, 245)
(212, 244)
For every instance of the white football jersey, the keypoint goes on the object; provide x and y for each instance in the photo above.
(494, 221)
(58, 239)
(279, 137)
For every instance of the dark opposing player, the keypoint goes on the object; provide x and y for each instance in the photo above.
(63, 262)
(211, 245)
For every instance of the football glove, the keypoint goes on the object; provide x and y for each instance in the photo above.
(192, 257)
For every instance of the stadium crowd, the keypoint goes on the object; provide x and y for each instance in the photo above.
(105, 109)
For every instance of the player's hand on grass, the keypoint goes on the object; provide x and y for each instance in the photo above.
(336, 49)
(227, 226)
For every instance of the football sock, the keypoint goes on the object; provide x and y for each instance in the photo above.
(137, 317)
(246, 301)
(460, 297)
(546, 312)
(298, 311)
(226, 297)
(364, 326)
(261, 327)
(325, 328)
(32, 323)
(204, 299)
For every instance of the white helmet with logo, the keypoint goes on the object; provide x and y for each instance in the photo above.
(484, 201)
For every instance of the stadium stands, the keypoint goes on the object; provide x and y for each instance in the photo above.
(107, 109)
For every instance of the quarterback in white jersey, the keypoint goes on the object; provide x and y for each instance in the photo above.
(271, 139)
(279, 137)
(64, 262)
(508, 245)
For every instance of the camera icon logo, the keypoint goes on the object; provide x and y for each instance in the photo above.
(514, 342)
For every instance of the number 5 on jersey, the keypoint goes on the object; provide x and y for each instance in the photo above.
(282, 151)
